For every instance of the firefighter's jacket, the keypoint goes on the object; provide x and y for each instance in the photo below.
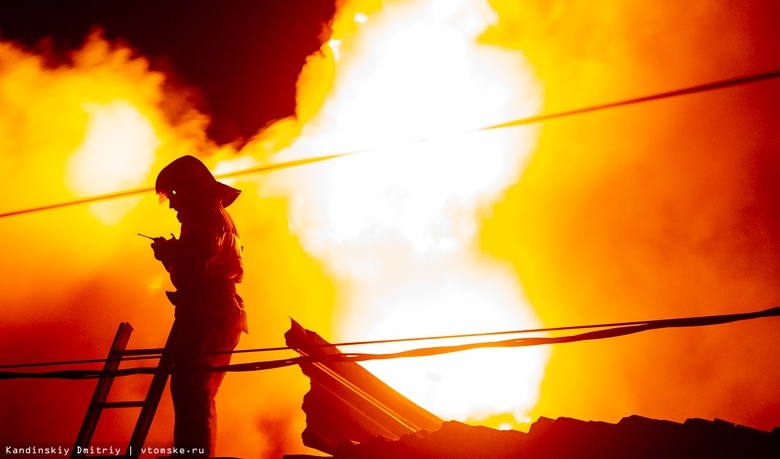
(205, 265)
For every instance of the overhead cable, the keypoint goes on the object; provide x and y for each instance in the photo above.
(611, 332)
(722, 84)
(150, 354)
(62, 363)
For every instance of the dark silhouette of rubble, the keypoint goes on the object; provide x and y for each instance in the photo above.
(633, 437)
(348, 404)
(351, 414)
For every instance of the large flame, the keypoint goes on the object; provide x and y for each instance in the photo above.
(397, 226)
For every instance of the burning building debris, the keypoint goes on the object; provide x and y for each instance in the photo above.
(352, 415)
(347, 404)
(633, 437)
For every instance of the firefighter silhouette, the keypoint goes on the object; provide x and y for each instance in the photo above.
(204, 265)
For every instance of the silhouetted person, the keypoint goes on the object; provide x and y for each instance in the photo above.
(204, 264)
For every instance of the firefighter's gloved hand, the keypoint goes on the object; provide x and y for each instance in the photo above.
(161, 247)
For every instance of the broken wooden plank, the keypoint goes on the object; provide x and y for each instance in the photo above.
(348, 404)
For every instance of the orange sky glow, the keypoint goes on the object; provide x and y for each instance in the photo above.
(657, 210)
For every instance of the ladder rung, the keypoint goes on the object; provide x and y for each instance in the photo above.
(128, 404)
(140, 352)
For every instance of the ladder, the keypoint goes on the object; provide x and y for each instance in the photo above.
(99, 398)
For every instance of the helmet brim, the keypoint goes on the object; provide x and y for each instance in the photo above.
(226, 194)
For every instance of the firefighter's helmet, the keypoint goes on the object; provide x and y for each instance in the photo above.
(189, 176)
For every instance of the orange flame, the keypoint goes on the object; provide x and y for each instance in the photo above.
(398, 226)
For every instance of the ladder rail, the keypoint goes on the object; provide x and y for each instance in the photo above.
(148, 406)
(96, 405)
(153, 396)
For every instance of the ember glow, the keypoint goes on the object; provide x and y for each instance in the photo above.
(398, 226)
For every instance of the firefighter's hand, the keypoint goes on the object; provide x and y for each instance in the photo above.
(161, 247)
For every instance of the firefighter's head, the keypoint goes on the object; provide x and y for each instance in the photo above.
(187, 181)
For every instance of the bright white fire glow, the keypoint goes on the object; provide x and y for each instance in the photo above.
(117, 153)
(466, 296)
(398, 226)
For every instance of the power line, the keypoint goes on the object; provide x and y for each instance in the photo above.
(63, 363)
(610, 332)
(86, 200)
(606, 331)
(154, 353)
(712, 86)
(148, 354)
(722, 84)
